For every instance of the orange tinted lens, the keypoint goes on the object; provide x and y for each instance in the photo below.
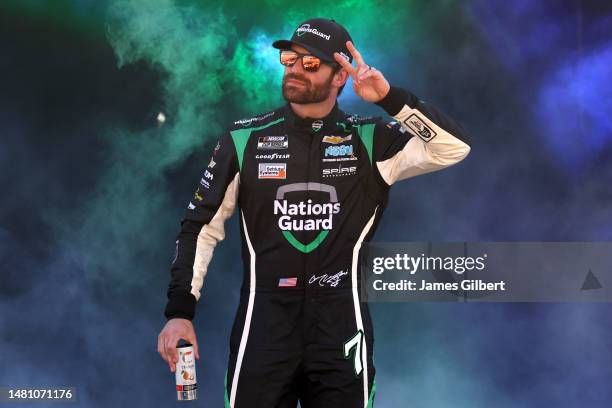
(288, 58)
(310, 62)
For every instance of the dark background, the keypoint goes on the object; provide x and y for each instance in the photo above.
(94, 187)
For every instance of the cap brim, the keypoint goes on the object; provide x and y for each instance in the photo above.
(286, 45)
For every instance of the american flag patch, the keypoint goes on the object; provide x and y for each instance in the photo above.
(287, 282)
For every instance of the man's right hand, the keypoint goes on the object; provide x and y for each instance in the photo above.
(174, 330)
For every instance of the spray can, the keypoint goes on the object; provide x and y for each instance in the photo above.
(186, 384)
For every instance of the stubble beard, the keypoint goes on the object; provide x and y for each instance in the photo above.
(308, 93)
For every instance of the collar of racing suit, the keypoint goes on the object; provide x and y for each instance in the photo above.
(311, 125)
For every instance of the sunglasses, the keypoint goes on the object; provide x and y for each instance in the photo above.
(310, 63)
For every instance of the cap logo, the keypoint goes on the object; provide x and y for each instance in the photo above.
(305, 28)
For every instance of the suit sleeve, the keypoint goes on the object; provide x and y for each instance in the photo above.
(422, 139)
(202, 227)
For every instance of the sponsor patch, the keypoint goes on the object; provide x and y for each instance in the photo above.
(249, 121)
(204, 183)
(208, 175)
(315, 217)
(211, 164)
(341, 150)
(273, 142)
(339, 171)
(191, 206)
(356, 119)
(336, 139)
(273, 156)
(317, 125)
(339, 159)
(419, 127)
(276, 171)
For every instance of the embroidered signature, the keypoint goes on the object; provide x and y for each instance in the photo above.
(325, 279)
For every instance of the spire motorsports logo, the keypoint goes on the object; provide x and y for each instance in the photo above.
(305, 215)
(305, 28)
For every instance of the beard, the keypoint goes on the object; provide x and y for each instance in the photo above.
(306, 93)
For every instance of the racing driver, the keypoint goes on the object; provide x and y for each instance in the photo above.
(310, 183)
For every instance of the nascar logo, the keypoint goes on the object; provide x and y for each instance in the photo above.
(273, 142)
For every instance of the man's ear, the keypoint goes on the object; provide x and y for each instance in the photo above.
(340, 77)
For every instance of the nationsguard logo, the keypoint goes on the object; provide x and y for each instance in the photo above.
(317, 125)
(305, 28)
(305, 215)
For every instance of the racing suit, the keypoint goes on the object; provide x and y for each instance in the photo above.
(309, 193)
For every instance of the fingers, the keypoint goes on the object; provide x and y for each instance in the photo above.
(345, 64)
(358, 73)
(367, 72)
(191, 338)
(171, 353)
(169, 338)
(356, 55)
(161, 348)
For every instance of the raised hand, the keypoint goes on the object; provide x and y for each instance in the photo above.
(368, 82)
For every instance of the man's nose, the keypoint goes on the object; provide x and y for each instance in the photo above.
(297, 67)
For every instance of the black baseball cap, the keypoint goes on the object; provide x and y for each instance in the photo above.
(322, 37)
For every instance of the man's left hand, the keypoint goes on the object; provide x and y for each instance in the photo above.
(368, 82)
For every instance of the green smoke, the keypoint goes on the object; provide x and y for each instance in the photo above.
(120, 222)
(217, 65)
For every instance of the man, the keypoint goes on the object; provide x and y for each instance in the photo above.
(311, 183)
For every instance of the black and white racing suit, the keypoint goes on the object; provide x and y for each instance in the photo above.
(309, 193)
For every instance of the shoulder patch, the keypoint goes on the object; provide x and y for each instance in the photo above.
(254, 120)
(362, 120)
(242, 129)
(419, 127)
